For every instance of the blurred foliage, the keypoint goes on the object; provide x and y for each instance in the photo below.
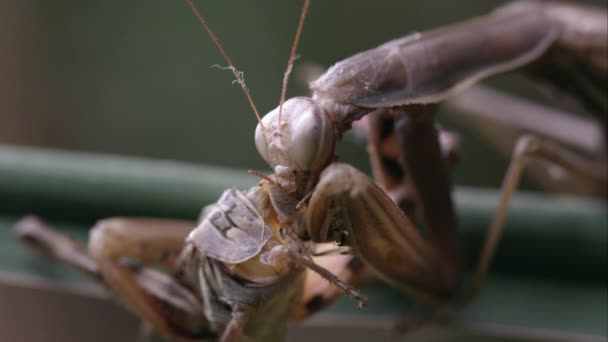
(133, 77)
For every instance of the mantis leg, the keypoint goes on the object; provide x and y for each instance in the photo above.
(529, 147)
(425, 156)
(499, 119)
(411, 159)
(427, 176)
(376, 230)
(118, 248)
(385, 156)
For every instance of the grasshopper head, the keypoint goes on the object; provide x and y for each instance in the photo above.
(301, 144)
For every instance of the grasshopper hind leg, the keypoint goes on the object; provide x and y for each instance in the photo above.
(330, 277)
(319, 292)
(117, 253)
(42, 238)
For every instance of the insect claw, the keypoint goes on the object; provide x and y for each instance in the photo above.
(261, 175)
(304, 200)
(362, 303)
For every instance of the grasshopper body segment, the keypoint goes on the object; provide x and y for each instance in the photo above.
(233, 232)
(265, 307)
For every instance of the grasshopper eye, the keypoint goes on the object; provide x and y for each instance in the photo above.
(312, 138)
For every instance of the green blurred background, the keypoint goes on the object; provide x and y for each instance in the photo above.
(134, 77)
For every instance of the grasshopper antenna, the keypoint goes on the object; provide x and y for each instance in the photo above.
(292, 57)
(237, 74)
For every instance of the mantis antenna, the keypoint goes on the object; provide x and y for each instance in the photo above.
(292, 57)
(237, 74)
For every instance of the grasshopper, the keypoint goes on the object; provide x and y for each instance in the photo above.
(252, 262)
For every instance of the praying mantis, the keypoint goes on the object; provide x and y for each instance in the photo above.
(253, 261)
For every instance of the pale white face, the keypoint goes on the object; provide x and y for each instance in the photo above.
(303, 140)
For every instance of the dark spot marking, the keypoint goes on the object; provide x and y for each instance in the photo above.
(315, 303)
(164, 255)
(407, 204)
(393, 168)
(354, 264)
(131, 264)
(33, 241)
(387, 127)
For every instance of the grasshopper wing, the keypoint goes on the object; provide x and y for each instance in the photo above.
(233, 231)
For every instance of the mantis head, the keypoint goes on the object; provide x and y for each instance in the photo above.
(302, 143)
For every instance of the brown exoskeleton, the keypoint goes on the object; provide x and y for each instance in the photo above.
(410, 158)
(240, 273)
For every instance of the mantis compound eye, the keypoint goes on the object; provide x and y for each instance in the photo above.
(303, 140)
(261, 143)
(312, 138)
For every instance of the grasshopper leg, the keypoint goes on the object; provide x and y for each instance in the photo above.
(39, 236)
(118, 248)
(122, 246)
(319, 292)
(235, 327)
(529, 147)
(148, 241)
